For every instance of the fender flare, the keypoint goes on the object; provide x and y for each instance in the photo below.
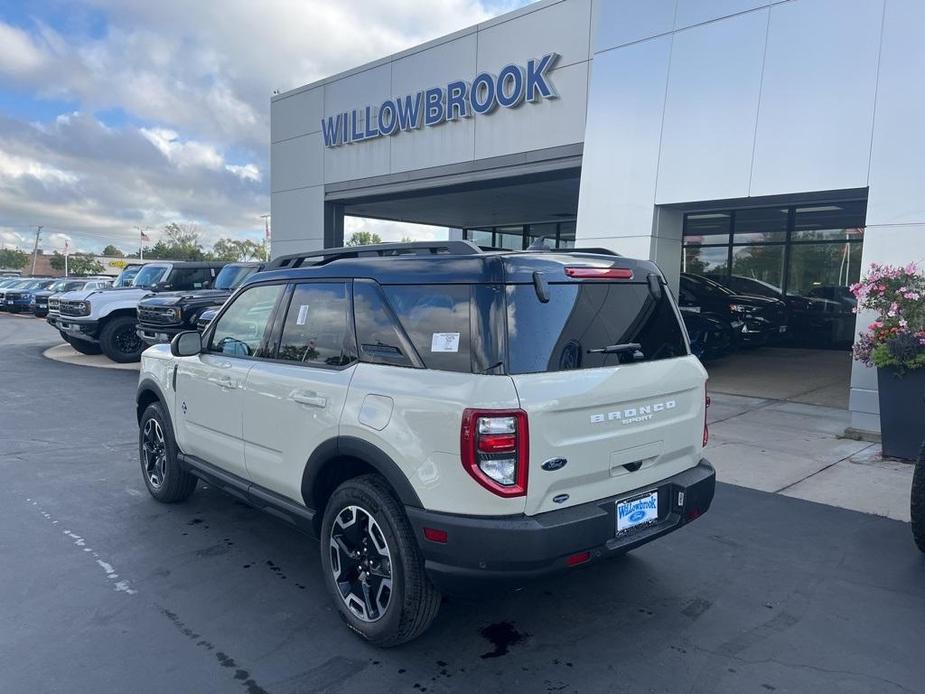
(149, 385)
(375, 457)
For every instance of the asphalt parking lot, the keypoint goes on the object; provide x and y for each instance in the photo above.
(106, 590)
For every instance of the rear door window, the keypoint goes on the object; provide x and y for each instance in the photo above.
(436, 318)
(315, 332)
(557, 336)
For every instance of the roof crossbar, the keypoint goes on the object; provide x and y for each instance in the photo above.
(327, 255)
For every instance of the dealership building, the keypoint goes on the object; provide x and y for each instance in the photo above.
(776, 141)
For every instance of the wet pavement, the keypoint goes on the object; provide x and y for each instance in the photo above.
(106, 590)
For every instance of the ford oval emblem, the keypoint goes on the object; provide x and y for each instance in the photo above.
(637, 515)
(560, 499)
(554, 464)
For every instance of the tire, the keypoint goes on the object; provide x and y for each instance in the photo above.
(918, 501)
(83, 346)
(411, 603)
(157, 452)
(119, 341)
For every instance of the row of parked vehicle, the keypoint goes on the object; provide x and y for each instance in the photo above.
(148, 304)
(726, 313)
(145, 305)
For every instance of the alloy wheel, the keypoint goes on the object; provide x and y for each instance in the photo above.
(155, 453)
(127, 341)
(361, 563)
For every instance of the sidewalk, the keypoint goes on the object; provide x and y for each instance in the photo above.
(795, 449)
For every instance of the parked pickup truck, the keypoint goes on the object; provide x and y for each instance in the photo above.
(104, 320)
(163, 315)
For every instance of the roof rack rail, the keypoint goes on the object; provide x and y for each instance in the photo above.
(327, 255)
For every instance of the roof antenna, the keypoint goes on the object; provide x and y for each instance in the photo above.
(539, 244)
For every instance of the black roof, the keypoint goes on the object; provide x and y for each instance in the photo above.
(444, 262)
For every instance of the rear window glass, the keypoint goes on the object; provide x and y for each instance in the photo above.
(380, 341)
(557, 335)
(436, 318)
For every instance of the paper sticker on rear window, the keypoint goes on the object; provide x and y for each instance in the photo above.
(303, 315)
(444, 342)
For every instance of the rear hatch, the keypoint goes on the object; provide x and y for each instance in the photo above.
(602, 423)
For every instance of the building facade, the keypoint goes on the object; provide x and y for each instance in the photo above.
(773, 140)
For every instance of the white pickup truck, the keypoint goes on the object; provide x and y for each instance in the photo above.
(104, 320)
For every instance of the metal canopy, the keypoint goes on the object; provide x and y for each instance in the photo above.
(545, 197)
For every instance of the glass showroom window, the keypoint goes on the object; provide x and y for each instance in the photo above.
(809, 250)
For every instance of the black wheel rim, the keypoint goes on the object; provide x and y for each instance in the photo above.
(154, 451)
(361, 563)
(126, 340)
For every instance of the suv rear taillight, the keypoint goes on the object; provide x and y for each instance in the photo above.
(706, 406)
(494, 449)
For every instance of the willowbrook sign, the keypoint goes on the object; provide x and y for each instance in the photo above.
(511, 87)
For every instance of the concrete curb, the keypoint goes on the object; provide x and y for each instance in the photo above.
(68, 355)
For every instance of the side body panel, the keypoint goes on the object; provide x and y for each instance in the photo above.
(208, 420)
(414, 417)
(289, 409)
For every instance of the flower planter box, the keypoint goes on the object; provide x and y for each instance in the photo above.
(902, 412)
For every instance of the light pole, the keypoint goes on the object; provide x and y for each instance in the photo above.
(266, 235)
(35, 247)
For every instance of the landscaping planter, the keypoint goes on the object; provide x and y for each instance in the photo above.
(902, 412)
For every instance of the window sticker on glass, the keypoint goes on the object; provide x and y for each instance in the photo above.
(303, 315)
(444, 342)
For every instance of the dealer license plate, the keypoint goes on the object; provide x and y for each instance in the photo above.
(641, 510)
(782, 329)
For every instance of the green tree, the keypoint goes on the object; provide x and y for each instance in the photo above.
(363, 238)
(112, 252)
(13, 259)
(180, 242)
(234, 249)
(78, 264)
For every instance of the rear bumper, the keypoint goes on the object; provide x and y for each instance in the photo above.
(81, 328)
(517, 548)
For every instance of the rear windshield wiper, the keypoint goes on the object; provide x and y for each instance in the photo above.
(617, 349)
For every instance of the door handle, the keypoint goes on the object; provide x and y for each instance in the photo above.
(223, 381)
(309, 399)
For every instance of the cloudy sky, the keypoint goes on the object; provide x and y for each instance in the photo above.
(117, 114)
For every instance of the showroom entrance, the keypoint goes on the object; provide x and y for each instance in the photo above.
(779, 276)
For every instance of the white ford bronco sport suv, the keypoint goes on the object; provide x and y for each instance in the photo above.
(438, 414)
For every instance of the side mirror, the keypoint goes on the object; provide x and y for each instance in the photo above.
(186, 344)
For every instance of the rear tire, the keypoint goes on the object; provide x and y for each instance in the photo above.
(363, 515)
(918, 501)
(119, 341)
(157, 450)
(82, 346)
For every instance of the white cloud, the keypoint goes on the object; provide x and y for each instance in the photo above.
(245, 171)
(194, 80)
(19, 55)
(12, 166)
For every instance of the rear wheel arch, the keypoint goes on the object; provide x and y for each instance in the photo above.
(339, 459)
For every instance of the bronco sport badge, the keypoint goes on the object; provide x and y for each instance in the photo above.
(634, 415)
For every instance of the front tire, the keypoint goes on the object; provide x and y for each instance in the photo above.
(373, 567)
(157, 450)
(120, 342)
(918, 501)
(82, 346)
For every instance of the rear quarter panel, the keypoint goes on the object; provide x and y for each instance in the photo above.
(420, 414)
